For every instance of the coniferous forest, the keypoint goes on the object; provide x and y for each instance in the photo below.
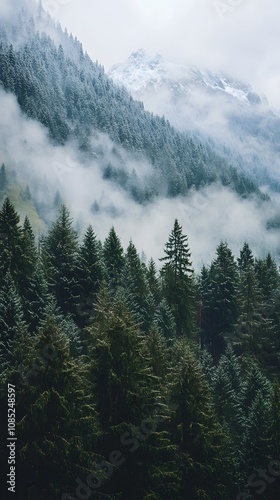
(124, 378)
(138, 380)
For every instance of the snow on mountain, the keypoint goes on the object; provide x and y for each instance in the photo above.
(219, 108)
(142, 72)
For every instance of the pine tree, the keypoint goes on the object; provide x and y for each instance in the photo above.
(178, 284)
(136, 287)
(131, 406)
(165, 321)
(227, 395)
(253, 327)
(246, 258)
(90, 275)
(29, 256)
(35, 297)
(224, 299)
(57, 425)
(205, 319)
(60, 253)
(153, 280)
(195, 430)
(257, 445)
(12, 323)
(120, 372)
(113, 258)
(11, 250)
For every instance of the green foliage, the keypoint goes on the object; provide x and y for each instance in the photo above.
(104, 354)
(223, 299)
(114, 260)
(57, 84)
(60, 254)
(57, 425)
(178, 284)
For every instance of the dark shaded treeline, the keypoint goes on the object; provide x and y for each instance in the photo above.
(134, 383)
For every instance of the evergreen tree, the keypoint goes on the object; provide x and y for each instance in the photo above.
(224, 298)
(258, 446)
(113, 258)
(153, 281)
(57, 426)
(121, 375)
(205, 318)
(90, 275)
(29, 256)
(136, 287)
(60, 253)
(246, 258)
(165, 321)
(196, 431)
(12, 323)
(11, 250)
(178, 283)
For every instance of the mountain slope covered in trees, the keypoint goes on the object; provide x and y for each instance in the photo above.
(57, 84)
(225, 112)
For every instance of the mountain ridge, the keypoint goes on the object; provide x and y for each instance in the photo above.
(220, 109)
(58, 85)
(140, 64)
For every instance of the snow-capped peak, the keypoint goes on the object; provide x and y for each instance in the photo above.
(142, 71)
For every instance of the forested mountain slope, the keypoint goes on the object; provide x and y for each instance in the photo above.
(56, 83)
(237, 122)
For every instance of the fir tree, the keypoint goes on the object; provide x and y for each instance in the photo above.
(113, 258)
(224, 299)
(178, 284)
(60, 252)
(12, 323)
(195, 430)
(57, 425)
(11, 250)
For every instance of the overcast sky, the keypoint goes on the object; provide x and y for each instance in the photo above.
(240, 36)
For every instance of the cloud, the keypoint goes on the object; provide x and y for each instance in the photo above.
(209, 216)
(245, 43)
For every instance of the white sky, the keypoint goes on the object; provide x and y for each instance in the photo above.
(241, 37)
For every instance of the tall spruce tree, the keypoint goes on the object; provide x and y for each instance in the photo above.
(60, 253)
(114, 260)
(224, 298)
(90, 276)
(57, 422)
(12, 323)
(136, 285)
(178, 283)
(195, 429)
(11, 248)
